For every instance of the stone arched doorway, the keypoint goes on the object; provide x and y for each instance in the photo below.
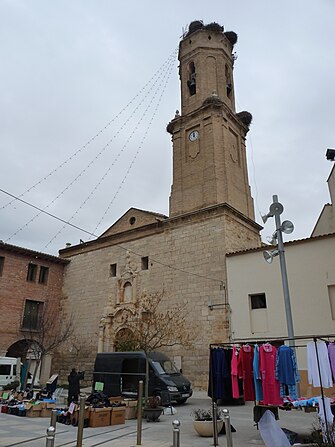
(29, 352)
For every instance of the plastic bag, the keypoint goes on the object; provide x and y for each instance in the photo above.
(169, 410)
(271, 433)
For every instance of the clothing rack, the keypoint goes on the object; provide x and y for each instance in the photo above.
(233, 343)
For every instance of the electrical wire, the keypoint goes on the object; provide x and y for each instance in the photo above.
(159, 88)
(116, 245)
(92, 161)
(138, 150)
(78, 151)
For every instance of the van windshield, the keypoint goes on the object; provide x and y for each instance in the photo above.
(165, 367)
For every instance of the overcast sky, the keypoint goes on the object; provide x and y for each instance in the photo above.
(71, 68)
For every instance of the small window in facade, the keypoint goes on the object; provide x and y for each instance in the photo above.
(258, 301)
(2, 262)
(32, 315)
(32, 270)
(44, 273)
(112, 270)
(132, 220)
(145, 263)
(229, 86)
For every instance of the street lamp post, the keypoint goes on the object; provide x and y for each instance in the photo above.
(276, 210)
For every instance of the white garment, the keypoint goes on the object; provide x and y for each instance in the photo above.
(326, 420)
(313, 371)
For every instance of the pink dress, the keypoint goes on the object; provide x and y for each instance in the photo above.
(267, 367)
(234, 374)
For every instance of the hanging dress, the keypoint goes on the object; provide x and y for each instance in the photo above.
(287, 371)
(234, 374)
(267, 365)
(315, 353)
(218, 373)
(246, 371)
(331, 354)
(257, 375)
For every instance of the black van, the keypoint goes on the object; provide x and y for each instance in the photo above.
(121, 371)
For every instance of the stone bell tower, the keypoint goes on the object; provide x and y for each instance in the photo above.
(209, 154)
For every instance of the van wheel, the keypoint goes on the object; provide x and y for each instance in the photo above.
(181, 401)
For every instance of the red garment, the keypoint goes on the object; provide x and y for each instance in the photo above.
(234, 374)
(246, 371)
(267, 367)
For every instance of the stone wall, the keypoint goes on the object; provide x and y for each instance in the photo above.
(186, 261)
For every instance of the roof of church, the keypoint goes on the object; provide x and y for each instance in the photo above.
(133, 218)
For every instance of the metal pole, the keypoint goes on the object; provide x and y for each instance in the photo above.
(215, 422)
(50, 437)
(289, 320)
(81, 421)
(53, 419)
(139, 412)
(226, 419)
(176, 433)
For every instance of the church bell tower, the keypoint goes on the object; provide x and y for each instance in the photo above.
(209, 154)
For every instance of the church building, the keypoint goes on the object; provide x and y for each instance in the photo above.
(183, 255)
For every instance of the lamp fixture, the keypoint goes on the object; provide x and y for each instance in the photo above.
(269, 255)
(265, 217)
(287, 227)
(272, 239)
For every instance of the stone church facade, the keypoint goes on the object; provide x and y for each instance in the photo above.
(183, 254)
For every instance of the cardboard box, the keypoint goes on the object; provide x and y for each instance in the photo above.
(100, 417)
(131, 408)
(130, 413)
(33, 410)
(47, 408)
(75, 416)
(118, 415)
(115, 399)
(32, 413)
(130, 402)
(46, 413)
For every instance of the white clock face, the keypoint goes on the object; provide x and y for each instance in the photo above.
(194, 135)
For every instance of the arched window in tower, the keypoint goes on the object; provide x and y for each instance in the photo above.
(127, 292)
(191, 83)
(229, 86)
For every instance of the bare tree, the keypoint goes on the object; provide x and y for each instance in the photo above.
(151, 327)
(51, 332)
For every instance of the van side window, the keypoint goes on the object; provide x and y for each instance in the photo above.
(5, 370)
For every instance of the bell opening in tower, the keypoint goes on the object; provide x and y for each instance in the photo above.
(191, 83)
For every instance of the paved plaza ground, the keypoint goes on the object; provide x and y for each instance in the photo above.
(31, 432)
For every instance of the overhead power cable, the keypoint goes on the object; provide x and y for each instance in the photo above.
(103, 129)
(116, 245)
